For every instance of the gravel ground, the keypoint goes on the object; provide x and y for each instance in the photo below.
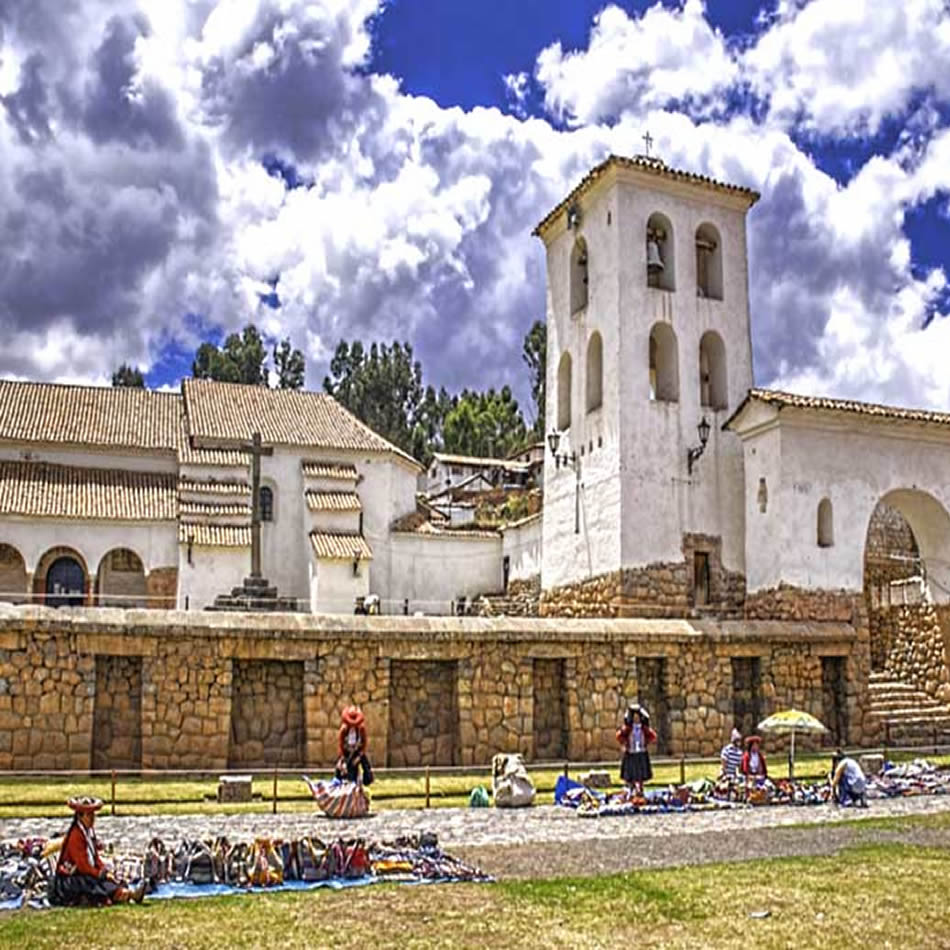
(548, 840)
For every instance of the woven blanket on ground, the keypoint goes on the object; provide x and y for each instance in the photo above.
(338, 799)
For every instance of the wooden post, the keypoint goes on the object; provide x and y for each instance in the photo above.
(566, 771)
(112, 810)
(274, 805)
(428, 787)
(682, 770)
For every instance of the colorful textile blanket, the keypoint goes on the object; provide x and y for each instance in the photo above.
(339, 799)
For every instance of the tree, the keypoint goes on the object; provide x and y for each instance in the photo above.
(488, 425)
(534, 352)
(243, 359)
(129, 376)
(289, 366)
(383, 387)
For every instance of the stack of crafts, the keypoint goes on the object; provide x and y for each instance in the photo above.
(217, 866)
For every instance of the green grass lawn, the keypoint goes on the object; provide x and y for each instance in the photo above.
(27, 797)
(875, 896)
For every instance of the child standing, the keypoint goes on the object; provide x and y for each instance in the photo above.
(634, 736)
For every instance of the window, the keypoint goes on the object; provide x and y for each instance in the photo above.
(579, 275)
(660, 259)
(826, 528)
(266, 502)
(708, 263)
(700, 578)
(595, 372)
(664, 364)
(713, 388)
(564, 392)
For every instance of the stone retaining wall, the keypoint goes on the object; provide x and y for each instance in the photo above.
(912, 641)
(266, 714)
(117, 717)
(403, 671)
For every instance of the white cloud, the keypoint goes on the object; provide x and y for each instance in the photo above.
(634, 64)
(843, 67)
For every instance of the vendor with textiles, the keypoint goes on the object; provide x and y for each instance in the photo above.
(353, 747)
(753, 765)
(634, 736)
(731, 755)
(81, 877)
(848, 784)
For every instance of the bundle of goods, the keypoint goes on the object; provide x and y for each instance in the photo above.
(339, 798)
(419, 857)
(910, 778)
(25, 870)
(511, 785)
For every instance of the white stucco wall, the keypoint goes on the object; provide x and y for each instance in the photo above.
(212, 571)
(637, 500)
(155, 543)
(522, 545)
(90, 458)
(434, 570)
(855, 463)
(334, 587)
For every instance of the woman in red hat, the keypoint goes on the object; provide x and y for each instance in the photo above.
(353, 756)
(753, 761)
(81, 877)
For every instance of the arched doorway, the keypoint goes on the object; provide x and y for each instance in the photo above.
(120, 580)
(907, 594)
(65, 582)
(13, 577)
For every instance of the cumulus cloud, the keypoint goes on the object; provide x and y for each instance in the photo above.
(134, 192)
(634, 64)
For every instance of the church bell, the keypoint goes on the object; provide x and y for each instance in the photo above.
(654, 261)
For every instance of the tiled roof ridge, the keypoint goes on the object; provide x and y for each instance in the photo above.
(801, 401)
(339, 545)
(644, 163)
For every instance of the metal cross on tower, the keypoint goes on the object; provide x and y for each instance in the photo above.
(648, 141)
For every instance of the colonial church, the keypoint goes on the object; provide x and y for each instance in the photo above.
(672, 486)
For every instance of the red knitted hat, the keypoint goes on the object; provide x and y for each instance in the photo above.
(353, 716)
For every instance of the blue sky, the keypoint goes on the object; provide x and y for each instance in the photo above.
(358, 169)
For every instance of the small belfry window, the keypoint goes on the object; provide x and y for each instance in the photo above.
(708, 263)
(664, 364)
(564, 392)
(595, 372)
(661, 264)
(826, 527)
(713, 384)
(266, 503)
(579, 275)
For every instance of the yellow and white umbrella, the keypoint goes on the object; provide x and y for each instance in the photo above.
(790, 721)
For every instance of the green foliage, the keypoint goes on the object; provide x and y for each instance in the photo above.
(289, 366)
(534, 352)
(130, 376)
(383, 387)
(243, 359)
(486, 424)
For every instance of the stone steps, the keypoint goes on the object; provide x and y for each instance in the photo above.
(907, 714)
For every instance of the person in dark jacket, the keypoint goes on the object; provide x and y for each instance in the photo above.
(634, 736)
(353, 757)
(82, 878)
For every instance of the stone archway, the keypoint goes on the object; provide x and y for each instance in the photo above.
(120, 580)
(61, 578)
(907, 590)
(14, 579)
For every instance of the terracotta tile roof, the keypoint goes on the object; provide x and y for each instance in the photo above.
(215, 535)
(114, 417)
(339, 547)
(201, 487)
(229, 412)
(188, 455)
(317, 469)
(333, 501)
(207, 509)
(476, 462)
(775, 397)
(653, 166)
(43, 490)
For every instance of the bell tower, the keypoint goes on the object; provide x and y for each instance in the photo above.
(649, 352)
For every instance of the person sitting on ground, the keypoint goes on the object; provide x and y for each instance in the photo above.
(82, 878)
(634, 736)
(353, 756)
(753, 765)
(848, 784)
(731, 755)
